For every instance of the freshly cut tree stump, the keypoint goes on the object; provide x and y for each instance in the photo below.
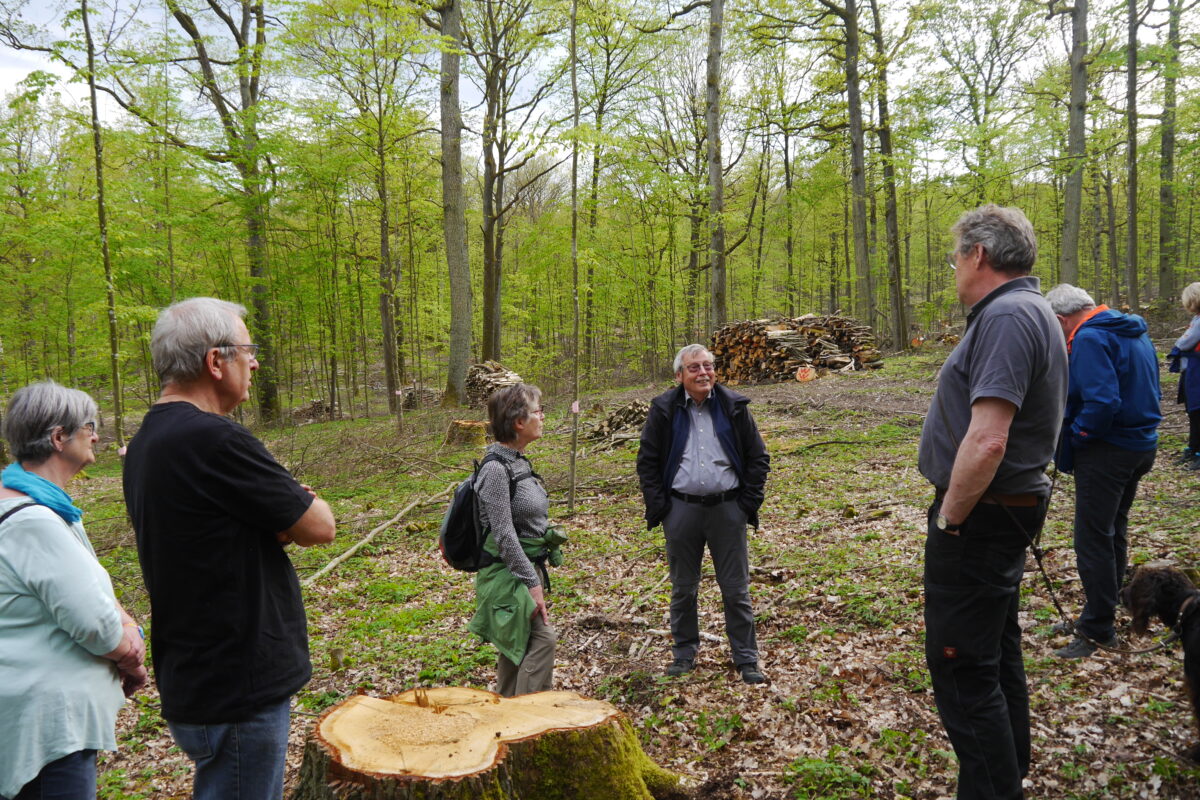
(468, 744)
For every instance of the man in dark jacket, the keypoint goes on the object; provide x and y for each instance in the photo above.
(703, 466)
(1109, 438)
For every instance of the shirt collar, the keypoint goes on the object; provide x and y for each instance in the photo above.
(1026, 282)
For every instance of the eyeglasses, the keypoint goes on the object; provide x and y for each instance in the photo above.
(539, 410)
(951, 260)
(91, 426)
(253, 348)
(700, 366)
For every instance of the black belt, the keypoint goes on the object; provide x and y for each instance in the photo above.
(995, 498)
(706, 499)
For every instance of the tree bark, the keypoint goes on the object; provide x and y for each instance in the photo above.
(454, 218)
(1131, 167)
(1076, 144)
(468, 744)
(716, 177)
(1168, 247)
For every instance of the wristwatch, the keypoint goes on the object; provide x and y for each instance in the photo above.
(944, 525)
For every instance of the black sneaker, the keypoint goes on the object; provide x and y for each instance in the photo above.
(751, 673)
(680, 666)
(1082, 648)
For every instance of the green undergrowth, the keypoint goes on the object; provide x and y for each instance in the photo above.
(839, 607)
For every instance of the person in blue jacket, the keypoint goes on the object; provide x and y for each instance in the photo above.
(1109, 439)
(1185, 359)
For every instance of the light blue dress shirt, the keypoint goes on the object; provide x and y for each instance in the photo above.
(58, 614)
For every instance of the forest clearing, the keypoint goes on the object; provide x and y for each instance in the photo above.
(847, 711)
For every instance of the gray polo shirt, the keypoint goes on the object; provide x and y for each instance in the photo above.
(704, 467)
(1013, 349)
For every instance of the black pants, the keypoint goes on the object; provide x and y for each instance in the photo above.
(689, 528)
(1106, 481)
(973, 645)
(1193, 416)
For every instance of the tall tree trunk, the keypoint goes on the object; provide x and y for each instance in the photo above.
(387, 317)
(1114, 265)
(789, 241)
(110, 291)
(1076, 144)
(716, 177)
(1168, 247)
(1131, 167)
(454, 218)
(891, 218)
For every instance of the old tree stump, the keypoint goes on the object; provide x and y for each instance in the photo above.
(468, 744)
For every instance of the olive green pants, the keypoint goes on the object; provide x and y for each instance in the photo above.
(535, 673)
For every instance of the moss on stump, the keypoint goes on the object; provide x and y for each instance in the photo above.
(468, 744)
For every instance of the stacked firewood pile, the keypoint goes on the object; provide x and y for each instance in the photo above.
(623, 424)
(485, 378)
(421, 397)
(765, 350)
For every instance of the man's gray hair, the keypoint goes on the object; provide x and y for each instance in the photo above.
(1066, 299)
(510, 405)
(186, 330)
(1005, 233)
(688, 350)
(36, 410)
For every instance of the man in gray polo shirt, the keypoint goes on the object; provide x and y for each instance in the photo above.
(702, 467)
(990, 432)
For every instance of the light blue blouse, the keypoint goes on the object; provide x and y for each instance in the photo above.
(58, 614)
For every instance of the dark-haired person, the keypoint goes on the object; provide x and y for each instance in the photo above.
(69, 654)
(985, 444)
(703, 467)
(213, 511)
(510, 600)
(1109, 439)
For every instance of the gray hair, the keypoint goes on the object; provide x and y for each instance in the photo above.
(1191, 297)
(1066, 299)
(1005, 233)
(688, 350)
(510, 405)
(36, 410)
(186, 330)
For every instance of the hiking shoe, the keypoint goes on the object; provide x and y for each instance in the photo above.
(680, 666)
(1186, 456)
(1082, 648)
(751, 673)
(1194, 464)
(1063, 627)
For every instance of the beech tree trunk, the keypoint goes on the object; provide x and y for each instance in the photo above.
(468, 744)
(1076, 144)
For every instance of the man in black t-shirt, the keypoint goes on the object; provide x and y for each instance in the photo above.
(212, 511)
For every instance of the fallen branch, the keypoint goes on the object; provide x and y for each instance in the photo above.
(357, 545)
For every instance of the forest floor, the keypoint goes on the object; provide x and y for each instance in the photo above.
(847, 711)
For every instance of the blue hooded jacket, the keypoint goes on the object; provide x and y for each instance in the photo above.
(1113, 394)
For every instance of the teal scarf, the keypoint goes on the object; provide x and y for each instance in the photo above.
(41, 491)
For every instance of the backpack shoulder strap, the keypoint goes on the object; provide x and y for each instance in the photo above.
(15, 509)
(512, 482)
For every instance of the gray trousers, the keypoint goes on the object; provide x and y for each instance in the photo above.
(688, 528)
(535, 673)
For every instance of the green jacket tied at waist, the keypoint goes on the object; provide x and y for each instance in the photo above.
(503, 606)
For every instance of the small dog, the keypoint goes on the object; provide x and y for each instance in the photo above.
(1166, 593)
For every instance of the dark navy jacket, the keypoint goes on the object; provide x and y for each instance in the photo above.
(665, 436)
(1113, 394)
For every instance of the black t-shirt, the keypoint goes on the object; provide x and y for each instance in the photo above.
(206, 500)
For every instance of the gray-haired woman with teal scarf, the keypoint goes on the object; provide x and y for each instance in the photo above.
(69, 654)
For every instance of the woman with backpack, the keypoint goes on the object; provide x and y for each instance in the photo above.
(69, 654)
(513, 507)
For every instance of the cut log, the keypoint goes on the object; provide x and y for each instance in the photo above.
(485, 378)
(766, 350)
(466, 431)
(468, 744)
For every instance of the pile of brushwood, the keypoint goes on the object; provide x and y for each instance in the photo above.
(484, 379)
(773, 350)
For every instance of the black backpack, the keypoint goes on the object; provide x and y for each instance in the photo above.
(462, 533)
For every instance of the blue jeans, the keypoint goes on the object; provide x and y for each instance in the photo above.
(241, 760)
(72, 777)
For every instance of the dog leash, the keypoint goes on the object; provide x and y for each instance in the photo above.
(1038, 553)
